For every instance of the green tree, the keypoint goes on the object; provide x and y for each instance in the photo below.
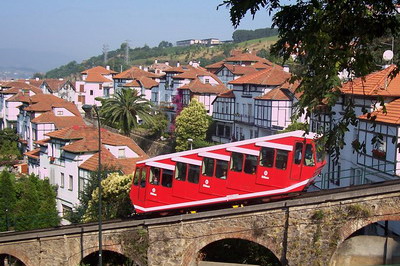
(192, 123)
(48, 206)
(325, 44)
(27, 206)
(115, 198)
(124, 110)
(8, 199)
(164, 44)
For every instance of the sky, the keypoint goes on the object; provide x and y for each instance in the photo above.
(43, 34)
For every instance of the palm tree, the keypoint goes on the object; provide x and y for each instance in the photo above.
(124, 109)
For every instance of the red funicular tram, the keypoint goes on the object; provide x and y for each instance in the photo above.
(248, 169)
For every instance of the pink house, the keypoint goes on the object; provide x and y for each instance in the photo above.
(96, 82)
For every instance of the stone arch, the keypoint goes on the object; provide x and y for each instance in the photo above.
(20, 254)
(77, 258)
(351, 227)
(193, 248)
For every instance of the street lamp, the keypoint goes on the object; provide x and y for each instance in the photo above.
(100, 188)
(191, 143)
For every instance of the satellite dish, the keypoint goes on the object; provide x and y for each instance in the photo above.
(388, 55)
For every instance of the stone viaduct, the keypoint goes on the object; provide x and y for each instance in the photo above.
(302, 231)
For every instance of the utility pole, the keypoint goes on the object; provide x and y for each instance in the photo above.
(106, 48)
(127, 52)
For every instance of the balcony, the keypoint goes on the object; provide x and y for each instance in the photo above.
(247, 119)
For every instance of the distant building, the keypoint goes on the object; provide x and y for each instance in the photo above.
(206, 42)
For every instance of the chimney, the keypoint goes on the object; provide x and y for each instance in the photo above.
(286, 68)
(37, 79)
(167, 63)
(195, 64)
(155, 61)
(178, 64)
(108, 67)
(146, 69)
(140, 67)
(60, 79)
(190, 62)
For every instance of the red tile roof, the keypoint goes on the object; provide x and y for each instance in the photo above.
(227, 94)
(56, 84)
(42, 142)
(147, 83)
(35, 154)
(247, 57)
(179, 69)
(99, 69)
(377, 83)
(135, 73)
(269, 77)
(126, 165)
(240, 70)
(392, 115)
(89, 137)
(58, 121)
(196, 86)
(96, 78)
(133, 83)
(17, 86)
(279, 94)
(19, 97)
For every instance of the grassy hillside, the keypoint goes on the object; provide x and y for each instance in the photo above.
(146, 56)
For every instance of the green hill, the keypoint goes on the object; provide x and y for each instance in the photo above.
(164, 52)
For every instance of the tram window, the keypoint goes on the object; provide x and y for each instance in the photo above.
(221, 169)
(154, 176)
(143, 177)
(267, 157)
(137, 176)
(193, 173)
(309, 156)
(250, 164)
(180, 171)
(281, 159)
(236, 162)
(208, 167)
(166, 180)
(297, 152)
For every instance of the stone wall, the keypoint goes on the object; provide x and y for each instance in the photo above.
(296, 231)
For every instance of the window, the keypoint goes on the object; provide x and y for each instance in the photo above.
(166, 180)
(250, 164)
(60, 112)
(297, 152)
(137, 176)
(221, 169)
(227, 131)
(91, 92)
(267, 157)
(207, 81)
(309, 156)
(281, 159)
(81, 184)
(194, 174)
(62, 182)
(236, 162)
(180, 171)
(154, 176)
(66, 211)
(121, 153)
(220, 130)
(208, 167)
(143, 178)
(71, 182)
(100, 86)
(81, 88)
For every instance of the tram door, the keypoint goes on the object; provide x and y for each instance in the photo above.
(297, 164)
(139, 186)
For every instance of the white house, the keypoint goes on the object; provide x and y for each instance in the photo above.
(69, 155)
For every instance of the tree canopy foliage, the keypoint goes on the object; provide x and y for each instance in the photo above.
(245, 35)
(327, 37)
(124, 109)
(192, 123)
(26, 203)
(9, 151)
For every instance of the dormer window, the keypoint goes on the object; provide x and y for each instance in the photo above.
(121, 153)
(207, 81)
(60, 112)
